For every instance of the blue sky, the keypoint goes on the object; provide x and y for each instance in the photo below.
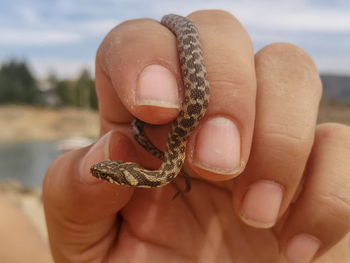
(63, 35)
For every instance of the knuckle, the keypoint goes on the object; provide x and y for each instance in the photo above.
(292, 65)
(286, 143)
(226, 26)
(236, 85)
(287, 51)
(330, 132)
(335, 204)
(233, 73)
(331, 170)
(218, 13)
(122, 35)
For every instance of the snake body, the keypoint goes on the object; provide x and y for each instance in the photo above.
(196, 100)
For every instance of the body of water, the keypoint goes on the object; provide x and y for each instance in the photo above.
(26, 162)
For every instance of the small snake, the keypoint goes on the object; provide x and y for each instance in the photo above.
(195, 103)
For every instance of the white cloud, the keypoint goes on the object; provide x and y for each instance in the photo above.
(66, 68)
(29, 14)
(305, 23)
(271, 15)
(307, 20)
(25, 37)
(94, 27)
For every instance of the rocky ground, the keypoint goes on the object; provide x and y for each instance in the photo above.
(29, 202)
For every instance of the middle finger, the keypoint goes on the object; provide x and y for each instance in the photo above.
(220, 147)
(288, 95)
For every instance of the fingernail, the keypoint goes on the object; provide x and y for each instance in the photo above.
(98, 152)
(157, 86)
(218, 146)
(261, 204)
(302, 248)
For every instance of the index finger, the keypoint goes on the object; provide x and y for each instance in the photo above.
(141, 47)
(137, 74)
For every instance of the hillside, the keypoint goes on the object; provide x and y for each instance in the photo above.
(336, 87)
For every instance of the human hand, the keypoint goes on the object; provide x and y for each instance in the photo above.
(291, 200)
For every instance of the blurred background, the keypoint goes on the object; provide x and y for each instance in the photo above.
(47, 49)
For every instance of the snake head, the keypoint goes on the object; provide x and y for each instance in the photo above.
(109, 171)
(126, 173)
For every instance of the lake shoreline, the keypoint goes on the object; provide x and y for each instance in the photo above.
(23, 123)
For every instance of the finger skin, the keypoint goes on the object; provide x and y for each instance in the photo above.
(323, 207)
(136, 44)
(81, 214)
(81, 210)
(77, 210)
(229, 59)
(288, 95)
(18, 234)
(121, 57)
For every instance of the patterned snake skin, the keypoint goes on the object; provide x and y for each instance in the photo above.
(194, 107)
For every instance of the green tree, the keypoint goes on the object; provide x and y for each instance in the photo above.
(63, 90)
(93, 96)
(77, 93)
(84, 90)
(17, 84)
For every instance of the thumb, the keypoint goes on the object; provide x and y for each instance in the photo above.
(80, 209)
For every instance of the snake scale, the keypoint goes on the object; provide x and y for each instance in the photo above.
(196, 100)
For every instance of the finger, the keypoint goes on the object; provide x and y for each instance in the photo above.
(137, 73)
(220, 146)
(80, 207)
(320, 216)
(288, 94)
(231, 110)
(19, 234)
